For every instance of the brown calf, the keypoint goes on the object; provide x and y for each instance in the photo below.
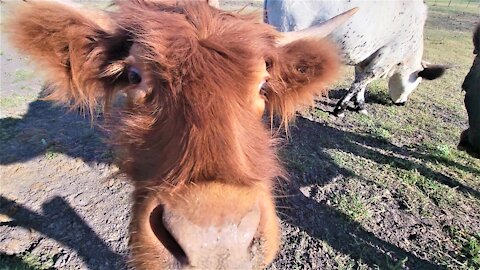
(190, 136)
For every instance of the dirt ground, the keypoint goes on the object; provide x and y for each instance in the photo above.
(384, 191)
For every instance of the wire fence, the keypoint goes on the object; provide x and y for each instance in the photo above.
(455, 3)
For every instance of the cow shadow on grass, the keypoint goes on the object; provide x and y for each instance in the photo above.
(312, 141)
(57, 222)
(46, 129)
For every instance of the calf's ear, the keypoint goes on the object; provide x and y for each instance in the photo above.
(301, 70)
(65, 44)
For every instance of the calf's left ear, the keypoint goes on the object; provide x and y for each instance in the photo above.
(301, 70)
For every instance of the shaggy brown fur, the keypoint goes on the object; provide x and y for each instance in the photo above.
(302, 70)
(190, 123)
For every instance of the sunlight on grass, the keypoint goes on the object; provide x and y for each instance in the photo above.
(23, 75)
(352, 205)
(440, 194)
(15, 100)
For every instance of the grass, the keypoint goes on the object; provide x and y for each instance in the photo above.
(14, 101)
(468, 248)
(397, 265)
(407, 153)
(438, 193)
(51, 153)
(352, 205)
(25, 261)
(23, 75)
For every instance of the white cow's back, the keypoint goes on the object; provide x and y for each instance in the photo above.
(378, 23)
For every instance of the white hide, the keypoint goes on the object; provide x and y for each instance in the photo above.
(385, 37)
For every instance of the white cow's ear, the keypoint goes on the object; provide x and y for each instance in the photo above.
(432, 72)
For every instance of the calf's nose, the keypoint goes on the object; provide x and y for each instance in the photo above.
(229, 245)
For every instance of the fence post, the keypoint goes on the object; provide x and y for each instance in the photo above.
(449, 2)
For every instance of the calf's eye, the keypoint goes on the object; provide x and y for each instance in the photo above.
(134, 76)
(268, 64)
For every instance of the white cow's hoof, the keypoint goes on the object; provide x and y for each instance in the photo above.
(340, 115)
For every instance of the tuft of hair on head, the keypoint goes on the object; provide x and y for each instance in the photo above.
(299, 72)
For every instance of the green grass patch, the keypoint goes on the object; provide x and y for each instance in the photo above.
(377, 92)
(352, 205)
(23, 75)
(468, 247)
(15, 101)
(382, 133)
(25, 261)
(321, 114)
(440, 194)
(443, 151)
(51, 153)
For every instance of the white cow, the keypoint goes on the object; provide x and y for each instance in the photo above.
(384, 39)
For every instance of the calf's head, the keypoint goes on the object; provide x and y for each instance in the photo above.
(190, 136)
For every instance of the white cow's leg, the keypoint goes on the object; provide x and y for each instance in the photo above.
(360, 97)
(359, 85)
(372, 68)
(360, 101)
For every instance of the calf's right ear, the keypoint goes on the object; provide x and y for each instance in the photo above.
(302, 70)
(67, 45)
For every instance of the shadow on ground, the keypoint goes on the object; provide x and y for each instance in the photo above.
(46, 129)
(57, 222)
(323, 221)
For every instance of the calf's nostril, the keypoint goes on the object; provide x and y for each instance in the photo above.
(165, 237)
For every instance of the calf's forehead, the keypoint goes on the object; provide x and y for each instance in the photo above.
(171, 37)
